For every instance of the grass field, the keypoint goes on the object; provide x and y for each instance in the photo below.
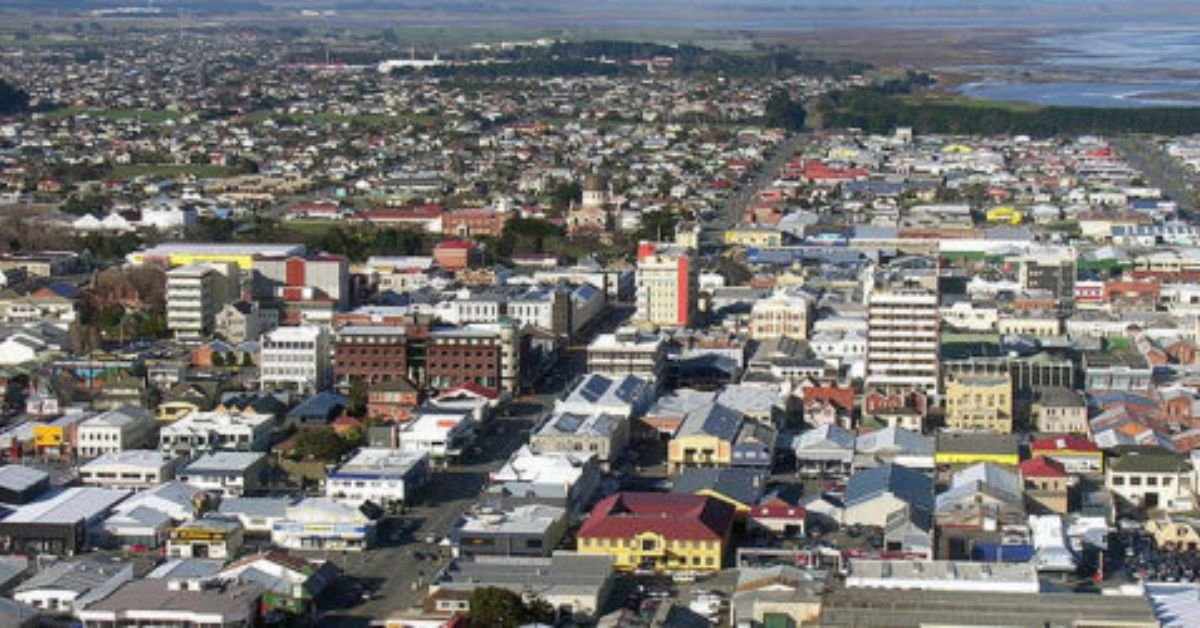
(310, 227)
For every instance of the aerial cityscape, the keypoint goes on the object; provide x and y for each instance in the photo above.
(883, 313)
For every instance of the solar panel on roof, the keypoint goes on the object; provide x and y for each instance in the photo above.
(595, 387)
(569, 423)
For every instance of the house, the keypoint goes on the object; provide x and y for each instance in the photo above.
(738, 487)
(529, 530)
(704, 438)
(230, 473)
(318, 523)
(292, 583)
(982, 500)
(1046, 485)
(200, 432)
(1075, 453)
(144, 521)
(662, 532)
(442, 434)
(210, 536)
(624, 396)
(1174, 535)
(827, 450)
(893, 445)
(780, 512)
(1060, 411)
(257, 514)
(69, 586)
(392, 400)
(1149, 478)
(979, 403)
(156, 602)
(874, 495)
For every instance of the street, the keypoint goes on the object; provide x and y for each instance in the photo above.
(1160, 170)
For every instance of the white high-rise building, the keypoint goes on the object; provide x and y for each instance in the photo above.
(195, 293)
(296, 358)
(667, 285)
(902, 340)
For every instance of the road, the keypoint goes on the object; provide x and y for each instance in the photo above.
(396, 577)
(1161, 170)
(731, 210)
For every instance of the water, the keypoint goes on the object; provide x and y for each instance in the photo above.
(1090, 94)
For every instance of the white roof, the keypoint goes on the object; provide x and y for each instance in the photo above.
(19, 477)
(141, 458)
(380, 461)
(224, 248)
(67, 506)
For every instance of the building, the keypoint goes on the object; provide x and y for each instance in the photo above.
(1149, 478)
(602, 435)
(317, 523)
(718, 436)
(206, 537)
(124, 427)
(779, 595)
(627, 352)
(902, 343)
(456, 255)
(1058, 410)
(293, 584)
(975, 403)
(60, 523)
(1075, 453)
(1174, 535)
(67, 587)
(667, 285)
(372, 353)
(158, 602)
(942, 575)
(199, 432)
(385, 477)
(296, 358)
(577, 585)
(875, 495)
(1052, 269)
(230, 473)
(441, 433)
(781, 314)
(558, 479)
(244, 321)
(660, 532)
(297, 278)
(909, 608)
(20, 484)
(173, 254)
(1046, 485)
(530, 530)
(964, 448)
(1116, 370)
(484, 354)
(195, 293)
(130, 469)
(738, 487)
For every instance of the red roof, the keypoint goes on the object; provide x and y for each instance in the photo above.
(1052, 444)
(1042, 467)
(472, 388)
(673, 515)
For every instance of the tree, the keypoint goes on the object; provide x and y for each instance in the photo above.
(356, 400)
(782, 111)
(12, 99)
(320, 443)
(493, 607)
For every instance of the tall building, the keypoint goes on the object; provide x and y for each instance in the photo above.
(902, 345)
(195, 293)
(667, 285)
(488, 355)
(296, 278)
(295, 358)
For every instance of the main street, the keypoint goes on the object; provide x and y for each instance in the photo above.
(1160, 170)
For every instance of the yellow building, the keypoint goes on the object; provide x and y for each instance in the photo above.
(753, 236)
(174, 254)
(1174, 535)
(1006, 215)
(663, 532)
(979, 403)
(173, 410)
(966, 448)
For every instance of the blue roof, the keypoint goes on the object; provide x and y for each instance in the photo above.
(911, 487)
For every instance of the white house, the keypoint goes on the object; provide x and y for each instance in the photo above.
(124, 427)
(382, 476)
(322, 524)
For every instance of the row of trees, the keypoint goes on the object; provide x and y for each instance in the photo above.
(876, 111)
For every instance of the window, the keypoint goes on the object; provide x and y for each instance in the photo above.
(1135, 481)
(1118, 480)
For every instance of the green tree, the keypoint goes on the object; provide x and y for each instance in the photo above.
(781, 111)
(320, 443)
(493, 607)
(356, 399)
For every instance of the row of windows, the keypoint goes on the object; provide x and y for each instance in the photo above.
(1136, 480)
(646, 545)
